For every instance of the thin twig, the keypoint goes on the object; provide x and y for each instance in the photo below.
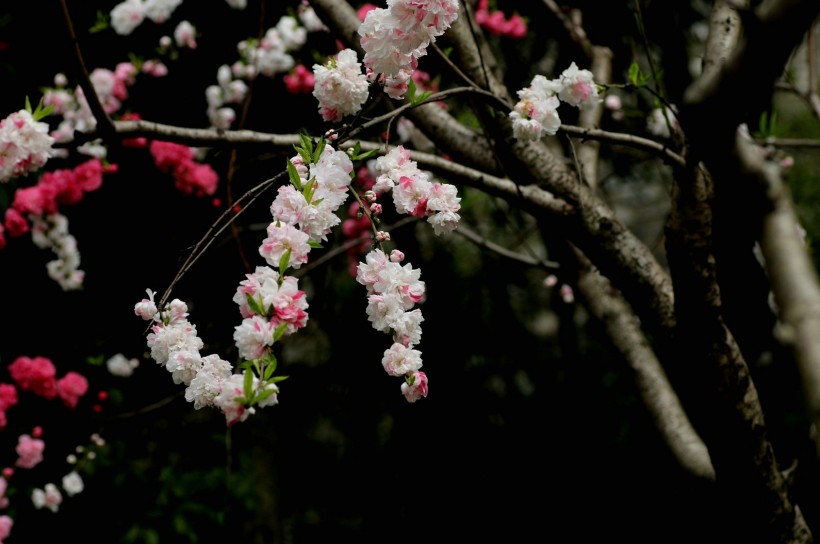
(104, 124)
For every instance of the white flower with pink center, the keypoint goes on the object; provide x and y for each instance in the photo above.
(411, 193)
(160, 11)
(262, 285)
(179, 336)
(207, 383)
(444, 204)
(185, 35)
(578, 88)
(368, 272)
(384, 311)
(233, 388)
(414, 386)
(340, 86)
(146, 308)
(25, 145)
(283, 237)
(290, 306)
(403, 281)
(289, 206)
(536, 112)
(293, 35)
(407, 328)
(50, 498)
(126, 16)
(184, 365)
(394, 38)
(400, 360)
(254, 337)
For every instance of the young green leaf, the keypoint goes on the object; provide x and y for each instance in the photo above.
(320, 147)
(277, 379)
(314, 244)
(254, 305)
(248, 385)
(265, 394)
(284, 261)
(270, 368)
(280, 331)
(293, 174)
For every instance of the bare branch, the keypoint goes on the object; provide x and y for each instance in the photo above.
(793, 277)
(104, 125)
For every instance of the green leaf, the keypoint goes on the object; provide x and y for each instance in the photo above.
(304, 153)
(634, 73)
(284, 260)
(28, 104)
(254, 305)
(314, 244)
(411, 91)
(271, 368)
(97, 360)
(293, 174)
(100, 24)
(248, 385)
(319, 149)
(245, 365)
(280, 331)
(277, 379)
(265, 394)
(310, 188)
(366, 155)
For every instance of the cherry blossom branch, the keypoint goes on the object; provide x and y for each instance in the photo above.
(104, 124)
(222, 222)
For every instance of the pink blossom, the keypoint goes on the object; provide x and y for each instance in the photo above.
(6, 524)
(36, 374)
(414, 386)
(300, 80)
(71, 387)
(29, 451)
(50, 498)
(4, 501)
(16, 223)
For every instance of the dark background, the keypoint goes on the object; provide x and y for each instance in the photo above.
(533, 429)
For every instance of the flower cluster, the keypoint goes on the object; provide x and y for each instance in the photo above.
(269, 56)
(396, 37)
(128, 15)
(414, 193)
(496, 23)
(340, 86)
(300, 80)
(35, 209)
(39, 375)
(210, 381)
(190, 177)
(25, 145)
(392, 291)
(536, 112)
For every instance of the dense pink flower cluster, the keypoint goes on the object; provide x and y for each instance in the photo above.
(190, 177)
(496, 23)
(396, 37)
(300, 80)
(39, 375)
(25, 145)
(536, 112)
(414, 193)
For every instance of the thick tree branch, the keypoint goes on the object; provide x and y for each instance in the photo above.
(793, 278)
(606, 304)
